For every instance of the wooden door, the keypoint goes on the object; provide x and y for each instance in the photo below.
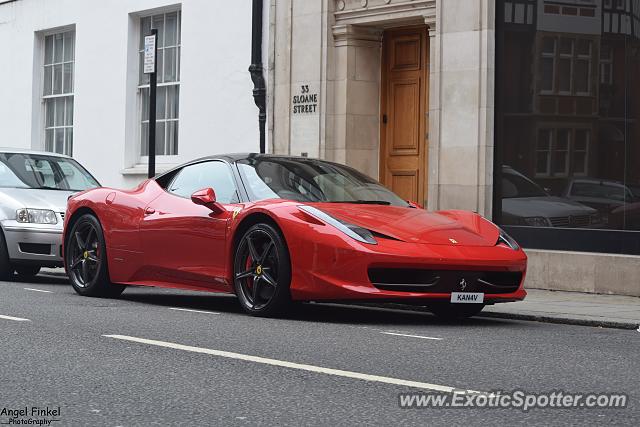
(404, 124)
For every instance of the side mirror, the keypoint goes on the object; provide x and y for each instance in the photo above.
(207, 197)
(414, 205)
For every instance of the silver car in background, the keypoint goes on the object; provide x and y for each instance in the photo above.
(34, 187)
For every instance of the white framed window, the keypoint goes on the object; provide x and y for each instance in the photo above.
(606, 65)
(548, 65)
(168, 93)
(566, 66)
(543, 152)
(57, 92)
(562, 152)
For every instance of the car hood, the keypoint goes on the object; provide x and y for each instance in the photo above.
(548, 207)
(55, 200)
(417, 225)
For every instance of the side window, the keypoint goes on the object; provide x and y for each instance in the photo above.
(213, 174)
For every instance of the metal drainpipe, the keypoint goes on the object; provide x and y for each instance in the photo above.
(257, 76)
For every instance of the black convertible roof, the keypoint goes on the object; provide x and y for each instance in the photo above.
(235, 157)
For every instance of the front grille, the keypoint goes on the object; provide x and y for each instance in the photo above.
(35, 248)
(62, 215)
(571, 221)
(444, 281)
(560, 221)
(581, 221)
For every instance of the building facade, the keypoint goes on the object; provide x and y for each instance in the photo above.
(73, 81)
(525, 111)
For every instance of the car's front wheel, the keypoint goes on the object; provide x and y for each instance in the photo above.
(6, 271)
(262, 271)
(86, 258)
(448, 311)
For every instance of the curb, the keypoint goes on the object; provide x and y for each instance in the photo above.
(544, 318)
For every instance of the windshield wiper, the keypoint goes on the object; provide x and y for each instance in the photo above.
(363, 202)
(46, 187)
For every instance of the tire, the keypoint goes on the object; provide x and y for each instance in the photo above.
(262, 284)
(448, 311)
(27, 271)
(86, 259)
(6, 270)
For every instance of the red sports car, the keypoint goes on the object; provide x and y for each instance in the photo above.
(281, 229)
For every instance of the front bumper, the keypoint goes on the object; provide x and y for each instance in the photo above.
(34, 243)
(337, 270)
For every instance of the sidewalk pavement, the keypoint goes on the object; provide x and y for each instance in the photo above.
(575, 308)
(608, 311)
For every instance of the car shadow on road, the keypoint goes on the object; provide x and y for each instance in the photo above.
(308, 312)
(380, 315)
(193, 301)
(41, 279)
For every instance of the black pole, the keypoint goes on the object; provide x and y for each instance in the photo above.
(153, 84)
(257, 76)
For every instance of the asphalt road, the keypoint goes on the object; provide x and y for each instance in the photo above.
(93, 358)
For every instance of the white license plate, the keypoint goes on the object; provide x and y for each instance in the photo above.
(467, 297)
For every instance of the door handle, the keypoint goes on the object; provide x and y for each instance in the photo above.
(149, 211)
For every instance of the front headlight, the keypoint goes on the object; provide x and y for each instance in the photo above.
(507, 240)
(36, 216)
(354, 231)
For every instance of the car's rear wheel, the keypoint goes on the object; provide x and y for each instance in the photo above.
(448, 311)
(27, 271)
(262, 271)
(6, 271)
(86, 258)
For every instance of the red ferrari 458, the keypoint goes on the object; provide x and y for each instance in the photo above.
(275, 229)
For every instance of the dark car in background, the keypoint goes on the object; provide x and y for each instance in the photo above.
(617, 202)
(525, 203)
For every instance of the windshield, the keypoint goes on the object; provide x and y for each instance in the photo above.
(21, 170)
(309, 180)
(515, 185)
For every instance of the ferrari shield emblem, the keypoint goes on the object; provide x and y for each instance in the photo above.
(236, 212)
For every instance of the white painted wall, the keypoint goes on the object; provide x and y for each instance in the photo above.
(217, 113)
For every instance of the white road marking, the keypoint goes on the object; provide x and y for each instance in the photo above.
(412, 336)
(38, 290)
(299, 366)
(17, 319)
(192, 311)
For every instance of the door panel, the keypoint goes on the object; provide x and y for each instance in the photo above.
(183, 242)
(404, 138)
(406, 183)
(404, 115)
(406, 50)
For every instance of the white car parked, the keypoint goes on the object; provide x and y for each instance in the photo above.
(34, 188)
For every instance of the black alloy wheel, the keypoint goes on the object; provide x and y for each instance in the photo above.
(86, 259)
(262, 271)
(6, 270)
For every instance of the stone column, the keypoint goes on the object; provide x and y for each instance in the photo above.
(354, 113)
(465, 86)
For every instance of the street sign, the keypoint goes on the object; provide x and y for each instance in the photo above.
(149, 54)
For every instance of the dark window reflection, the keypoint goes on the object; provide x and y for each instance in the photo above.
(569, 113)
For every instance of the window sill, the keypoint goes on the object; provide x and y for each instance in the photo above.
(143, 169)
